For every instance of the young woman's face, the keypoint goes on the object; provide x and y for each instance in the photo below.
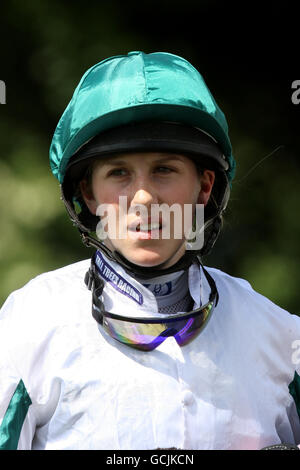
(143, 180)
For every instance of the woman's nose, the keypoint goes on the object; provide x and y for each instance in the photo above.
(143, 193)
(142, 197)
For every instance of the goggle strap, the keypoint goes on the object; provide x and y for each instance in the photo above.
(95, 284)
(212, 284)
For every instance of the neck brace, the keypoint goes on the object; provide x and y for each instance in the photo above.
(171, 291)
(124, 294)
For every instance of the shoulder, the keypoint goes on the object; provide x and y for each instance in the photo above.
(67, 275)
(226, 280)
(64, 276)
(264, 331)
(238, 297)
(48, 292)
(44, 321)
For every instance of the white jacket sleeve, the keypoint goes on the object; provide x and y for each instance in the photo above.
(17, 421)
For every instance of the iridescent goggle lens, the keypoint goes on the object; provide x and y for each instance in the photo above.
(147, 334)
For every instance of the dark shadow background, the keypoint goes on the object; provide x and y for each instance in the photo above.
(249, 59)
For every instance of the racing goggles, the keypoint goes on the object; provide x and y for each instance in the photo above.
(147, 333)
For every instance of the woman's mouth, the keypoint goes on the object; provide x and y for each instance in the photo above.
(145, 231)
(148, 227)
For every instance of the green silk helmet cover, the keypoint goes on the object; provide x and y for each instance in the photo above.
(133, 88)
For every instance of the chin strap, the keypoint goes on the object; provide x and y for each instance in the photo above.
(148, 272)
(143, 272)
(211, 230)
(133, 269)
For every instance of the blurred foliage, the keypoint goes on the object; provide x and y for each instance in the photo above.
(50, 44)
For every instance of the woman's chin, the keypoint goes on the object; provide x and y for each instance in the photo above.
(149, 260)
(151, 256)
(152, 259)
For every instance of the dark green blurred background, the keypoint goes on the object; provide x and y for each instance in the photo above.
(249, 60)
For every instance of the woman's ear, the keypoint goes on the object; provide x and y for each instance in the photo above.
(207, 180)
(88, 197)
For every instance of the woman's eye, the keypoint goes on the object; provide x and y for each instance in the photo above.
(118, 172)
(164, 169)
